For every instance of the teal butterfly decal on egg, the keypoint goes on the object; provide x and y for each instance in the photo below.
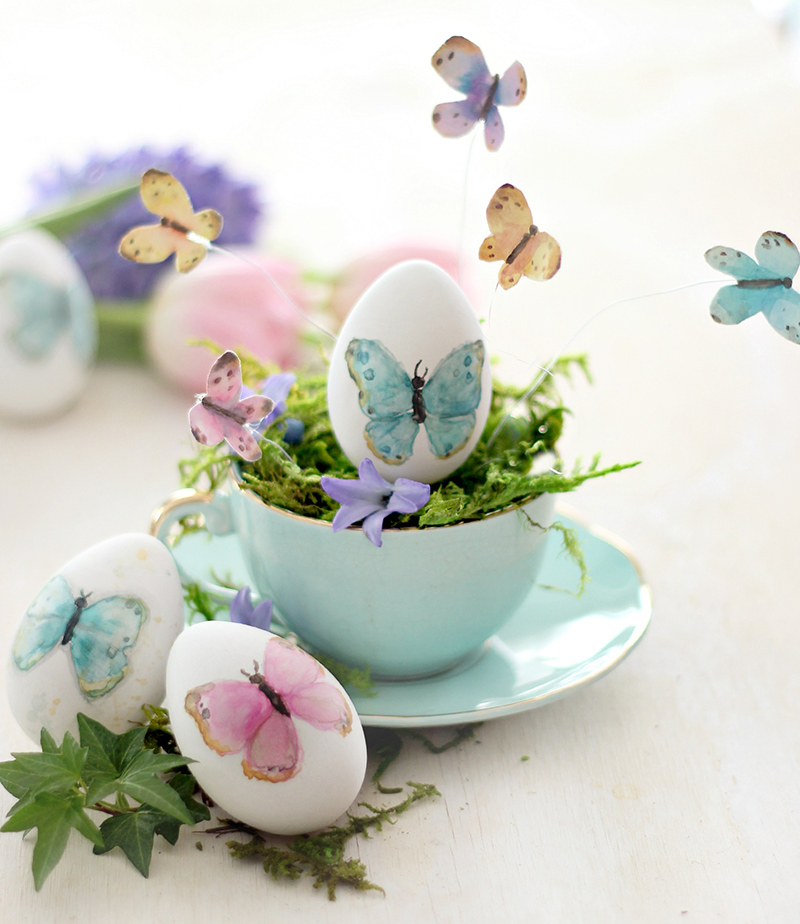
(764, 286)
(98, 634)
(398, 403)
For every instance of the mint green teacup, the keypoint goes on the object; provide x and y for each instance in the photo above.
(420, 604)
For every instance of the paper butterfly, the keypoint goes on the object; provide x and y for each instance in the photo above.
(516, 240)
(764, 286)
(397, 404)
(220, 414)
(98, 634)
(164, 196)
(256, 717)
(45, 313)
(463, 67)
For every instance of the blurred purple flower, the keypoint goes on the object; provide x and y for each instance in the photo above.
(276, 387)
(242, 611)
(95, 246)
(372, 498)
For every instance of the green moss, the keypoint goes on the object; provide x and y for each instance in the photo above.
(490, 480)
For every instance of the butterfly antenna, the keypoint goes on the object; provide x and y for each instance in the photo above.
(548, 369)
(283, 294)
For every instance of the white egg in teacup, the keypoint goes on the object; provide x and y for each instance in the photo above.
(48, 330)
(276, 740)
(96, 638)
(409, 385)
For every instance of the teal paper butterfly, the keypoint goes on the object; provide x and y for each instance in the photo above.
(397, 403)
(45, 313)
(765, 286)
(98, 635)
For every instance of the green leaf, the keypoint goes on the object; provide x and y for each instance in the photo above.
(47, 741)
(16, 780)
(158, 794)
(101, 744)
(128, 746)
(133, 833)
(47, 772)
(100, 787)
(53, 816)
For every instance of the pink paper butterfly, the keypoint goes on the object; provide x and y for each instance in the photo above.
(219, 414)
(462, 66)
(257, 716)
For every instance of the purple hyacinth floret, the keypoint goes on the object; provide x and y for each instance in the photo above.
(243, 612)
(110, 276)
(276, 387)
(372, 498)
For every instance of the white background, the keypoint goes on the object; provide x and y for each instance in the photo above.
(652, 131)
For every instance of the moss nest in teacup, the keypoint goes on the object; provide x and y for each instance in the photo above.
(521, 462)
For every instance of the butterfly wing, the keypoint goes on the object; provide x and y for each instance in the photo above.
(164, 196)
(206, 426)
(737, 264)
(105, 631)
(513, 86)
(44, 623)
(452, 120)
(452, 395)
(732, 305)
(304, 688)
(783, 313)
(43, 313)
(493, 129)
(776, 253)
(273, 754)
(224, 383)
(385, 395)
(240, 439)
(509, 218)
(460, 63)
(228, 713)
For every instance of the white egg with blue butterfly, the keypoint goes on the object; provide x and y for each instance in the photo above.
(409, 384)
(96, 638)
(275, 739)
(48, 330)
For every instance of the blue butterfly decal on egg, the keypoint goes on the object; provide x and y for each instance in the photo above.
(45, 313)
(98, 635)
(764, 286)
(397, 404)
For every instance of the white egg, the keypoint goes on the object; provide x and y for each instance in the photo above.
(277, 742)
(48, 330)
(409, 385)
(96, 638)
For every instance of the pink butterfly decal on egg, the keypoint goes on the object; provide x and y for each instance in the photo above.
(256, 717)
(462, 66)
(221, 413)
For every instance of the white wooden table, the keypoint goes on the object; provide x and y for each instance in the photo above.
(669, 790)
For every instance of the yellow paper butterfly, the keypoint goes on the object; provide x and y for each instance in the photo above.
(516, 240)
(164, 196)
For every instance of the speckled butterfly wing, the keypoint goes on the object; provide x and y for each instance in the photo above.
(220, 414)
(164, 196)
(516, 240)
(511, 91)
(44, 624)
(451, 396)
(778, 261)
(105, 631)
(385, 395)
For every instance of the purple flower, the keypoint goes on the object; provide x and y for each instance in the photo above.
(95, 245)
(242, 611)
(372, 498)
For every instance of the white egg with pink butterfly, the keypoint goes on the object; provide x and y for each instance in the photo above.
(276, 740)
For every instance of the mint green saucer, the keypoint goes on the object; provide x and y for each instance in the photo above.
(554, 644)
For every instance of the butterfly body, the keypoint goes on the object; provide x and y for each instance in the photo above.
(222, 414)
(397, 404)
(97, 635)
(765, 286)
(256, 717)
(517, 241)
(462, 66)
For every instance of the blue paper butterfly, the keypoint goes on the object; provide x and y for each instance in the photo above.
(397, 403)
(97, 635)
(764, 286)
(45, 313)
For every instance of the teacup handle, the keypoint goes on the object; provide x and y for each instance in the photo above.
(215, 510)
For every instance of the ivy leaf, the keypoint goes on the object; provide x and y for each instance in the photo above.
(54, 817)
(184, 785)
(55, 770)
(139, 780)
(133, 833)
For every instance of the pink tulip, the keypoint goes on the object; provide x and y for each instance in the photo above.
(233, 304)
(357, 276)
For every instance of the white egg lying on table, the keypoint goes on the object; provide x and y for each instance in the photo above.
(409, 385)
(96, 638)
(276, 741)
(48, 330)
